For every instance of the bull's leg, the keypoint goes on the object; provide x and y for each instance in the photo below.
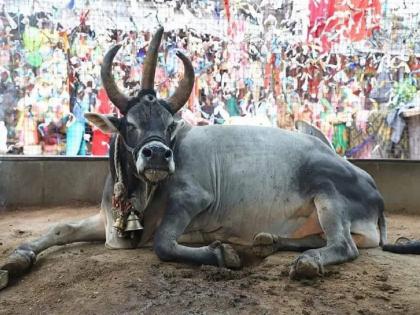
(168, 249)
(87, 230)
(340, 246)
(176, 219)
(265, 244)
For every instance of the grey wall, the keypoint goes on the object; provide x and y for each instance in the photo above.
(51, 181)
(398, 181)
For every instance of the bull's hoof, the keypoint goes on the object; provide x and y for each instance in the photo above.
(4, 279)
(263, 245)
(227, 257)
(230, 257)
(306, 267)
(19, 262)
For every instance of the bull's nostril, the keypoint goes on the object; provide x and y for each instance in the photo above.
(168, 154)
(146, 152)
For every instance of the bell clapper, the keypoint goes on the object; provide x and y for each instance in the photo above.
(132, 235)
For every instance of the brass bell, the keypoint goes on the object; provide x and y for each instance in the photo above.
(119, 224)
(133, 223)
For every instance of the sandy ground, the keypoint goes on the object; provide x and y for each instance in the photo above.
(89, 279)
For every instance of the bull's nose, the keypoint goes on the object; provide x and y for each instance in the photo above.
(155, 152)
(155, 157)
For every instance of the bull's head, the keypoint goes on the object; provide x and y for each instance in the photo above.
(147, 126)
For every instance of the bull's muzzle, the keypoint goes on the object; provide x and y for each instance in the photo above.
(155, 161)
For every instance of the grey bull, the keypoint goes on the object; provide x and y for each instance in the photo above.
(265, 189)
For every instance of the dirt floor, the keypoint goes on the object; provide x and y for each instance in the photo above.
(89, 279)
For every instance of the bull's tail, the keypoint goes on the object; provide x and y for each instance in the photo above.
(408, 247)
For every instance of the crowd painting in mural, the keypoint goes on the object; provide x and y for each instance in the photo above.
(50, 77)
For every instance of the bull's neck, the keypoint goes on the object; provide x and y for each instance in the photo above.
(141, 194)
(139, 191)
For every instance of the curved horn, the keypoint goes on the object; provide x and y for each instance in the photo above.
(182, 93)
(115, 95)
(148, 78)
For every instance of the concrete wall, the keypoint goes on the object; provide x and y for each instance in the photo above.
(51, 181)
(398, 181)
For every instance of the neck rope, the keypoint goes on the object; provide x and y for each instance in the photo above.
(123, 205)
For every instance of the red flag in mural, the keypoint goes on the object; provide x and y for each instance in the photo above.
(231, 26)
(353, 19)
(227, 9)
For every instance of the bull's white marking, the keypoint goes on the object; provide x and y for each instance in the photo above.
(140, 164)
(369, 230)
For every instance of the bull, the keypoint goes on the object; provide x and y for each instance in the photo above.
(262, 188)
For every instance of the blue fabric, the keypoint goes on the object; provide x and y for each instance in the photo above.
(70, 5)
(359, 147)
(81, 107)
(75, 144)
(397, 122)
(171, 62)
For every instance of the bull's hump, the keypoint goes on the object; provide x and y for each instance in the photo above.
(264, 148)
(245, 135)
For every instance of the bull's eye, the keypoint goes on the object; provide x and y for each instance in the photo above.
(171, 127)
(131, 128)
(132, 133)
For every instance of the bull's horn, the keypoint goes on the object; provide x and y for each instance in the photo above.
(182, 93)
(148, 78)
(115, 95)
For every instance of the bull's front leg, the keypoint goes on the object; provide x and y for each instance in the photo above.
(22, 258)
(181, 210)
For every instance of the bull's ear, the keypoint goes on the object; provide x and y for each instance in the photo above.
(178, 126)
(106, 123)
